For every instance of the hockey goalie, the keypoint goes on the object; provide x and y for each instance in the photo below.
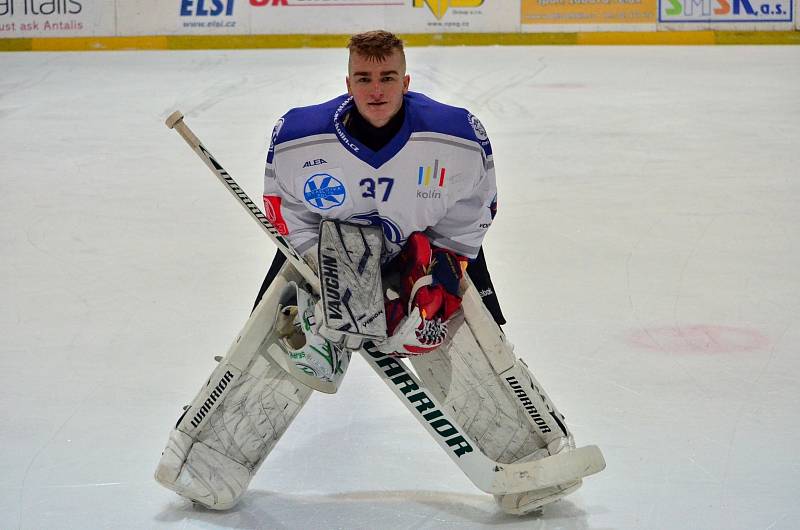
(379, 199)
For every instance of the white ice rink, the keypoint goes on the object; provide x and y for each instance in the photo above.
(646, 254)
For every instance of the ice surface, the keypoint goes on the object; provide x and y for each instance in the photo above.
(646, 253)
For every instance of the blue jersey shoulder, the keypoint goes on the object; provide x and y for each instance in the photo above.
(428, 115)
(307, 121)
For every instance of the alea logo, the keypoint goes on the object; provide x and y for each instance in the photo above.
(439, 7)
(323, 191)
(203, 8)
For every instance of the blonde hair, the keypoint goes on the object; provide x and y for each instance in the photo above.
(376, 45)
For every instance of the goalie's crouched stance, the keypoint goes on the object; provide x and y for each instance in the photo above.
(460, 356)
(249, 401)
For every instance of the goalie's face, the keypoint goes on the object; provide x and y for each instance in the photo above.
(378, 86)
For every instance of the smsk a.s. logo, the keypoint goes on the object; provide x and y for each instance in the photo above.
(324, 191)
(439, 7)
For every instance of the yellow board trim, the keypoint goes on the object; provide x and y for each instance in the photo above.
(206, 42)
(99, 43)
(658, 38)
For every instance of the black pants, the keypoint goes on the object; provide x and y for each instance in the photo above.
(476, 270)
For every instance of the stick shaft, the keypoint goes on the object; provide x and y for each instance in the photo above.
(175, 121)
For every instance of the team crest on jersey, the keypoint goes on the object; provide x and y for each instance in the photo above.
(477, 126)
(392, 234)
(324, 191)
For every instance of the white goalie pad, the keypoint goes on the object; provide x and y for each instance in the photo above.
(505, 412)
(237, 417)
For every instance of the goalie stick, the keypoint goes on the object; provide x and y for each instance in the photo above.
(487, 474)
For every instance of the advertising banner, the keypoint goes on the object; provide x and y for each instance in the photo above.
(210, 17)
(276, 17)
(56, 18)
(725, 11)
(20, 19)
(588, 12)
(404, 16)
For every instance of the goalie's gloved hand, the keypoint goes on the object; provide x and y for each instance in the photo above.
(429, 282)
(415, 333)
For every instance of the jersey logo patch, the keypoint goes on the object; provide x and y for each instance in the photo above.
(315, 162)
(392, 234)
(323, 191)
(477, 126)
(431, 180)
(275, 132)
(431, 176)
(272, 207)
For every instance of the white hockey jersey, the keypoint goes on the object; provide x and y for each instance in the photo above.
(435, 176)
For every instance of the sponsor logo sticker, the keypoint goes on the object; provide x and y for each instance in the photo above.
(324, 191)
(439, 7)
(272, 207)
(724, 11)
(206, 14)
(431, 179)
(315, 162)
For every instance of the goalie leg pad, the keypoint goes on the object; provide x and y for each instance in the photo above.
(235, 420)
(539, 409)
(197, 472)
(464, 382)
(214, 465)
(507, 414)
